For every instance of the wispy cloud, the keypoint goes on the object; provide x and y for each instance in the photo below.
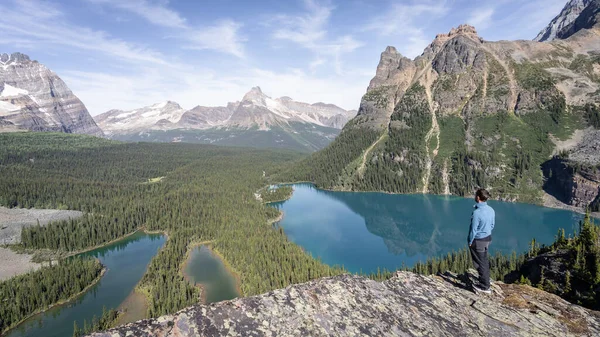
(223, 36)
(156, 13)
(408, 20)
(306, 29)
(309, 31)
(407, 15)
(39, 20)
(525, 16)
(481, 18)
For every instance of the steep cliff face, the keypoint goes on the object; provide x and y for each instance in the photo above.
(470, 113)
(32, 97)
(576, 15)
(405, 305)
(572, 183)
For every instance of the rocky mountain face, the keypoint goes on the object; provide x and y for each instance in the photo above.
(158, 116)
(405, 305)
(470, 113)
(576, 15)
(202, 117)
(258, 109)
(257, 120)
(32, 97)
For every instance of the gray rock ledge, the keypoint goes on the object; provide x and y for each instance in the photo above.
(406, 305)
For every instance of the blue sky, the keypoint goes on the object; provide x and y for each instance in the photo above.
(124, 54)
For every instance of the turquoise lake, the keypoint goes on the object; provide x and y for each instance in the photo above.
(364, 231)
(126, 261)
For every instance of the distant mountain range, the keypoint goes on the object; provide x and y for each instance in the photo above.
(256, 120)
(34, 98)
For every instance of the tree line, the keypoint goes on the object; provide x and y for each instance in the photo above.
(569, 267)
(24, 295)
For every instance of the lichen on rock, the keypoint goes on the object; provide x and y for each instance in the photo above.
(405, 305)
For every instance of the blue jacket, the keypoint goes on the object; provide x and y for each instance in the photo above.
(482, 222)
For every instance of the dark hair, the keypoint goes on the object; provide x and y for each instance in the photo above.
(482, 194)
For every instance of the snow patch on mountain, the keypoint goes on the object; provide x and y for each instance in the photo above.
(9, 90)
(7, 108)
(148, 118)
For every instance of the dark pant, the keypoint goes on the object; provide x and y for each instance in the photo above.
(479, 253)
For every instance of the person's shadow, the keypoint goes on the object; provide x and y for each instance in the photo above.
(464, 281)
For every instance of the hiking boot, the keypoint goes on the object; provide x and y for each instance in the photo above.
(481, 289)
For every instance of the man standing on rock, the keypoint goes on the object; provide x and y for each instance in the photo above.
(480, 237)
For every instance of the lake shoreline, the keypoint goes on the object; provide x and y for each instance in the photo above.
(258, 195)
(96, 281)
(412, 227)
(59, 254)
(137, 288)
(547, 200)
(132, 309)
(140, 229)
(59, 303)
(277, 219)
(184, 264)
(230, 270)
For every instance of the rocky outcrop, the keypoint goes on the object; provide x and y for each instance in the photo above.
(587, 150)
(566, 23)
(32, 97)
(394, 75)
(405, 305)
(572, 183)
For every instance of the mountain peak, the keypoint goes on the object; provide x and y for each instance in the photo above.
(464, 29)
(169, 104)
(576, 15)
(6, 58)
(32, 97)
(255, 95)
(391, 50)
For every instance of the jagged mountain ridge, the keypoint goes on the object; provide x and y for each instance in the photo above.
(469, 113)
(157, 116)
(255, 110)
(32, 97)
(257, 120)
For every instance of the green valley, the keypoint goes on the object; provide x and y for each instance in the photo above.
(207, 194)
